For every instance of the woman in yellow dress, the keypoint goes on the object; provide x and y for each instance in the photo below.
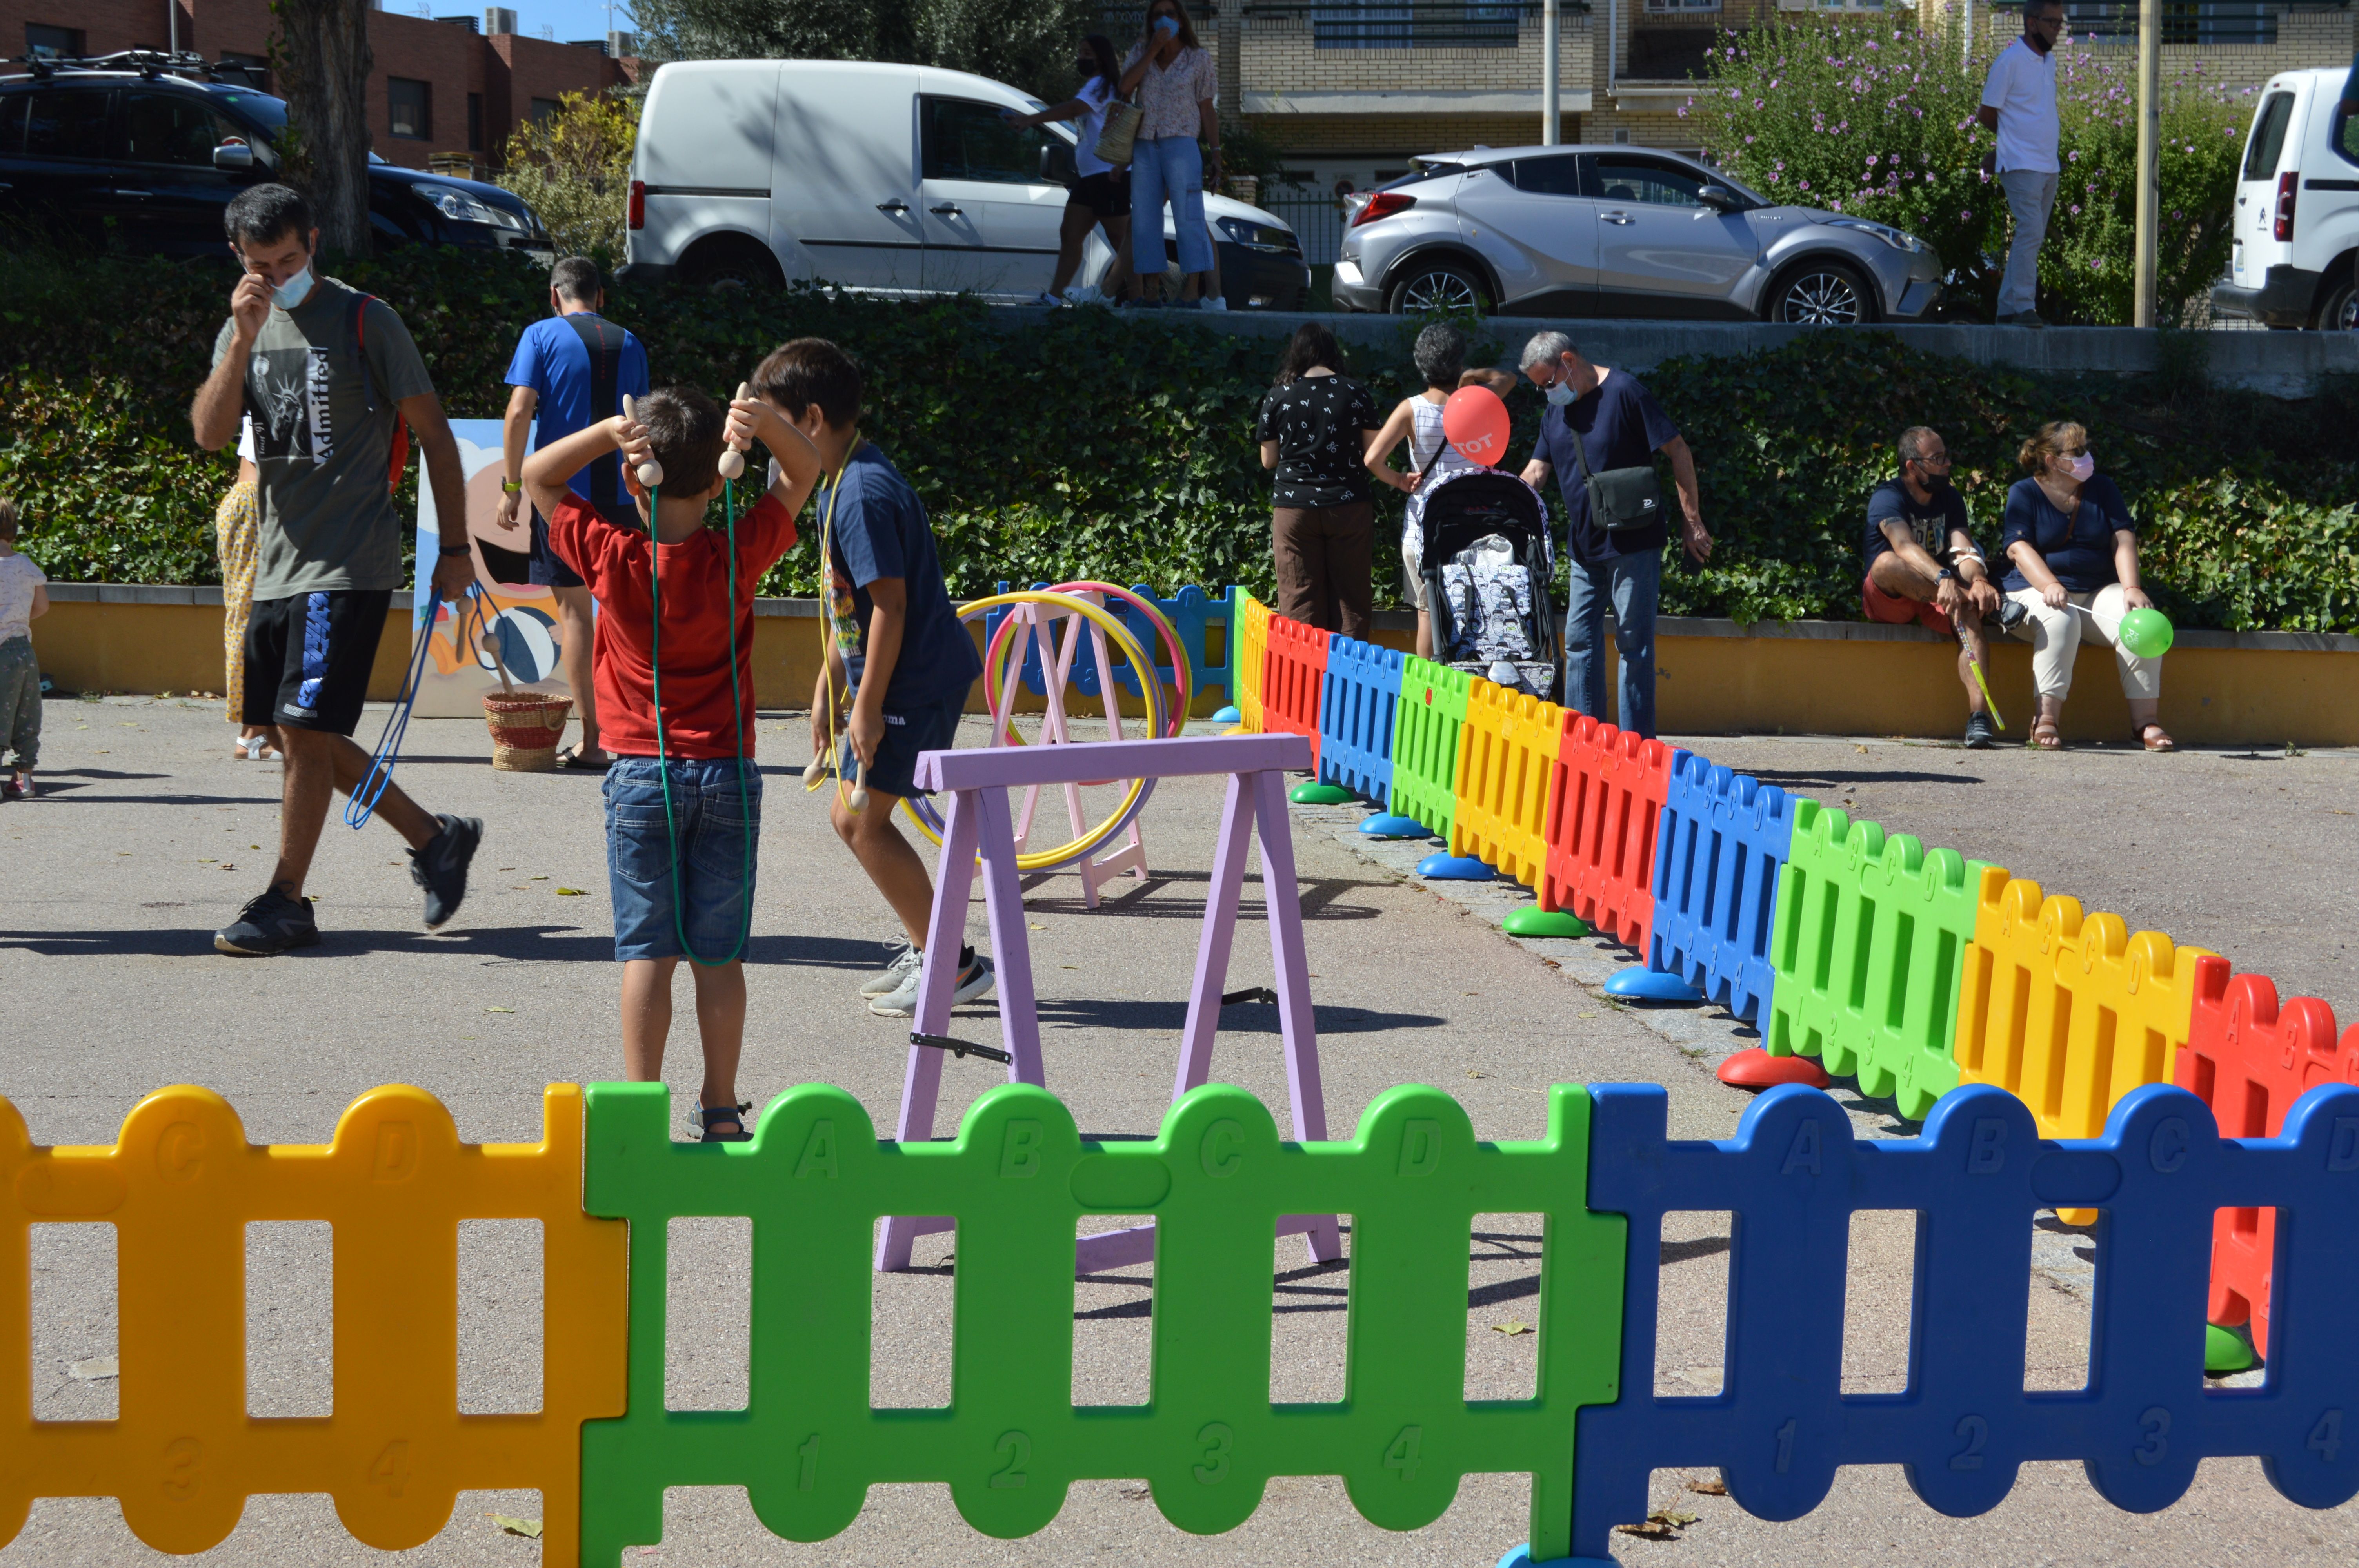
(237, 527)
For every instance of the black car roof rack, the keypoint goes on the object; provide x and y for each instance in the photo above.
(150, 64)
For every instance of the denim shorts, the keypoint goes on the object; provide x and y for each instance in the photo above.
(931, 728)
(718, 844)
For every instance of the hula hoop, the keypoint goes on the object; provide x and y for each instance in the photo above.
(929, 820)
(995, 658)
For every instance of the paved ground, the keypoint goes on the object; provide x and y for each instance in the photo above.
(114, 882)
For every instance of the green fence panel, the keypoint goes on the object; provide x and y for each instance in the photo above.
(1425, 743)
(1869, 948)
(1018, 1179)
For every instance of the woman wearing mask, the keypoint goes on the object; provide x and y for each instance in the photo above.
(2073, 544)
(1101, 198)
(1175, 82)
(1316, 429)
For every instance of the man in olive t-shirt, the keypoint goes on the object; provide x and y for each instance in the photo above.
(325, 375)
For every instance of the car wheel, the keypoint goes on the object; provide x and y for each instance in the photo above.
(1426, 287)
(1823, 294)
(731, 262)
(2339, 312)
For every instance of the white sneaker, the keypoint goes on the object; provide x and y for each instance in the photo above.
(904, 963)
(1213, 302)
(1044, 298)
(903, 1002)
(1085, 294)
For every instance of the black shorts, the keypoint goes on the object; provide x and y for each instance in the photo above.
(1105, 195)
(547, 569)
(308, 658)
(930, 726)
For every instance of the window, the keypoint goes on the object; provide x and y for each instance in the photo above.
(12, 124)
(1559, 175)
(253, 68)
(543, 109)
(2231, 22)
(2344, 139)
(1681, 8)
(474, 122)
(965, 140)
(1420, 25)
(412, 108)
(170, 127)
(1625, 179)
(55, 43)
(66, 122)
(2268, 137)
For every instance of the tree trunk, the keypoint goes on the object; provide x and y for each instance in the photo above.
(325, 52)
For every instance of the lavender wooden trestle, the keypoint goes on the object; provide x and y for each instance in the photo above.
(979, 822)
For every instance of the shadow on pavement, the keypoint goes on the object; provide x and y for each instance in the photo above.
(540, 944)
(1245, 1018)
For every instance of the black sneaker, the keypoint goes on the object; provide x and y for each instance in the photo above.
(1980, 736)
(440, 868)
(270, 923)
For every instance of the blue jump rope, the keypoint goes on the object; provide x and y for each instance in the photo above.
(472, 627)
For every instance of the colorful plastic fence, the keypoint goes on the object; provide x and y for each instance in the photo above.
(1724, 838)
(1605, 800)
(1249, 651)
(1507, 759)
(1358, 705)
(1425, 743)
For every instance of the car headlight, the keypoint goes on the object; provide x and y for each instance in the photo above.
(1885, 232)
(1260, 236)
(453, 202)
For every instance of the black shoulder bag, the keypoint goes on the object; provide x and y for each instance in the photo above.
(1619, 499)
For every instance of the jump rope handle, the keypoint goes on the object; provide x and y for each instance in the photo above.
(733, 459)
(651, 472)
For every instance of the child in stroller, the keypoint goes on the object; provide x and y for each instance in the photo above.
(1488, 566)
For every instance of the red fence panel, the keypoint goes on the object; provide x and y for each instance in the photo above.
(1294, 667)
(1606, 799)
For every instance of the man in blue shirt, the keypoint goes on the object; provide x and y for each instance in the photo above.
(571, 369)
(1617, 424)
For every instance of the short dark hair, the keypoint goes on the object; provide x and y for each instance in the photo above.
(261, 213)
(807, 370)
(576, 278)
(1441, 355)
(1913, 441)
(7, 520)
(684, 426)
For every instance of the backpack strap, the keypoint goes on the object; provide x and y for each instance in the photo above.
(357, 313)
(603, 341)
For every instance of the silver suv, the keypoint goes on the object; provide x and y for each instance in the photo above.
(1617, 231)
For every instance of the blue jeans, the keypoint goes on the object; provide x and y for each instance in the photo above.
(713, 839)
(1632, 585)
(1172, 165)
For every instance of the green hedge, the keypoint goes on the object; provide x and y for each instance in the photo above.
(1121, 446)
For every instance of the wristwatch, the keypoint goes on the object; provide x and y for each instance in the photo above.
(1945, 575)
(449, 547)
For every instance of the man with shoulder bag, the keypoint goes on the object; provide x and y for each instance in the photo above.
(1599, 434)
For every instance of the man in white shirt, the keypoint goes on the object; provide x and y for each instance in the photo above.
(2019, 105)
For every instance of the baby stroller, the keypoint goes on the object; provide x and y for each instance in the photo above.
(1488, 566)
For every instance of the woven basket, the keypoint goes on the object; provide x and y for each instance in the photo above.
(525, 729)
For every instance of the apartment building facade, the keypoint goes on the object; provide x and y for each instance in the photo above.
(445, 93)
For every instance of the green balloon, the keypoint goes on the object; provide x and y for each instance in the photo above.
(2146, 634)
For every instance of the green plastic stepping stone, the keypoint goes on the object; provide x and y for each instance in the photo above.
(2226, 1351)
(1533, 921)
(1321, 794)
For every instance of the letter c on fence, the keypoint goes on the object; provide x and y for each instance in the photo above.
(2342, 1154)
(180, 1151)
(2167, 1148)
(1987, 1156)
(1221, 1157)
(1019, 1152)
(1421, 1148)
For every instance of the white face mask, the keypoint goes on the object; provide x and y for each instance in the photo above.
(294, 291)
(2081, 467)
(1559, 393)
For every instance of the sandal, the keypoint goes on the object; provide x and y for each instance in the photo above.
(572, 761)
(712, 1118)
(2153, 736)
(256, 749)
(2045, 736)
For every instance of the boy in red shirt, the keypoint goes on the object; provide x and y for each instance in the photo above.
(684, 797)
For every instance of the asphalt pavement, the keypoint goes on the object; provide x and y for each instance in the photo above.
(148, 836)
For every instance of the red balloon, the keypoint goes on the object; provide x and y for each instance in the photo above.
(1476, 423)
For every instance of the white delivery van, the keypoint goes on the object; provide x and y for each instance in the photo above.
(895, 179)
(2296, 222)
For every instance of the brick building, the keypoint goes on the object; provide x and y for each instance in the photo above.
(442, 93)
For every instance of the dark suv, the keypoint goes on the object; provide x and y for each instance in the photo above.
(125, 154)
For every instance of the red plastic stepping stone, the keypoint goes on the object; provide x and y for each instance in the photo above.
(1756, 1069)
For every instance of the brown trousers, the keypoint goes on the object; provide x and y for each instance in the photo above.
(1325, 558)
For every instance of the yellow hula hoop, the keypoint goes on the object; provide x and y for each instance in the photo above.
(1106, 622)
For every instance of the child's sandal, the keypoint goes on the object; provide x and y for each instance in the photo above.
(710, 1119)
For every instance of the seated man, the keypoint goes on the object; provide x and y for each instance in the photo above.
(1923, 565)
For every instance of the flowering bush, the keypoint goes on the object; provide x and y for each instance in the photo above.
(1877, 121)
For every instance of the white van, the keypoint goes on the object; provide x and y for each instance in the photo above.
(895, 179)
(2297, 223)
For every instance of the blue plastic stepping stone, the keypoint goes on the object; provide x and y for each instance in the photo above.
(1521, 1557)
(1446, 867)
(1228, 716)
(1638, 983)
(1387, 824)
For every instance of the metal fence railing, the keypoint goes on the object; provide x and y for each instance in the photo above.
(1315, 217)
(2225, 22)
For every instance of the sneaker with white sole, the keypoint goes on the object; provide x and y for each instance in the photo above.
(973, 982)
(905, 962)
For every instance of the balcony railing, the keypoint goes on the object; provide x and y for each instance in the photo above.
(1407, 23)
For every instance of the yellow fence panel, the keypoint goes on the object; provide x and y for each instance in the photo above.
(1507, 754)
(179, 1186)
(1252, 648)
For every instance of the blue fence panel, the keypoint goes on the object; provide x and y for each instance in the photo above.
(1793, 1177)
(1190, 612)
(1722, 838)
(1357, 706)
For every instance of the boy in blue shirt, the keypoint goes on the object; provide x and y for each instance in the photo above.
(572, 369)
(899, 663)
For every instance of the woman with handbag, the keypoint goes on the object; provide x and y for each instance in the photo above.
(1600, 434)
(1100, 197)
(1175, 81)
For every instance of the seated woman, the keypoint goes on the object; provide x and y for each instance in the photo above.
(2073, 547)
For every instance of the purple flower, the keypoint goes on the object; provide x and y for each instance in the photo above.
(1806, 185)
